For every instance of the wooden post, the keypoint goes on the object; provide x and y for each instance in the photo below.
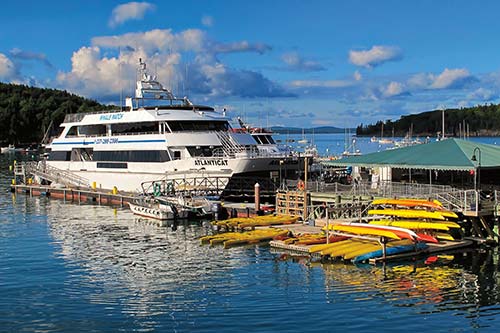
(257, 197)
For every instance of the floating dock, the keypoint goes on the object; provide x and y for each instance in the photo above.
(442, 247)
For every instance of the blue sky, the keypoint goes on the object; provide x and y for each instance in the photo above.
(294, 63)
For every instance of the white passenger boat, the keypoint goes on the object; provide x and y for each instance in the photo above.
(147, 142)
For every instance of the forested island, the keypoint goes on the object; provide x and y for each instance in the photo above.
(481, 120)
(315, 130)
(27, 113)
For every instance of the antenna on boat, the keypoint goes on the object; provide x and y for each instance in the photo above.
(120, 78)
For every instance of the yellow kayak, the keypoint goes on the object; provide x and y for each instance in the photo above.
(408, 213)
(338, 251)
(409, 203)
(444, 236)
(321, 247)
(417, 225)
(374, 247)
(358, 230)
(327, 247)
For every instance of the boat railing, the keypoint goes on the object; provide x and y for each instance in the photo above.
(50, 173)
(229, 145)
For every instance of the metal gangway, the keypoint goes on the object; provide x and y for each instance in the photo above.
(49, 173)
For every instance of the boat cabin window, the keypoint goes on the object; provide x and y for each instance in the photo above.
(92, 130)
(264, 139)
(132, 156)
(59, 156)
(177, 155)
(73, 131)
(82, 154)
(195, 126)
(135, 128)
(203, 151)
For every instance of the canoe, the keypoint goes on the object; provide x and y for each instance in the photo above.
(391, 251)
(416, 224)
(408, 213)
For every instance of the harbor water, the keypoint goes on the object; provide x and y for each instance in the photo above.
(69, 267)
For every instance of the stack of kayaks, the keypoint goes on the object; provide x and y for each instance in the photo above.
(240, 223)
(229, 239)
(365, 242)
(429, 219)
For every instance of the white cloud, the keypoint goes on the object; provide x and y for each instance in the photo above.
(294, 62)
(321, 84)
(393, 89)
(207, 21)
(451, 78)
(242, 46)
(375, 56)
(7, 68)
(420, 81)
(19, 54)
(156, 40)
(357, 76)
(129, 11)
(96, 72)
(482, 94)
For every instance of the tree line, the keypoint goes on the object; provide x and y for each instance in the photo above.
(480, 120)
(27, 113)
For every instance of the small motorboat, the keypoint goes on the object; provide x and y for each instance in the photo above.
(157, 208)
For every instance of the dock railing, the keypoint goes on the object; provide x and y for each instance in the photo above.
(50, 173)
(469, 202)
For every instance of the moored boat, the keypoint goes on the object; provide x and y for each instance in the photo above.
(149, 140)
(157, 208)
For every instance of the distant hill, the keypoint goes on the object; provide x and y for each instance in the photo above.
(27, 112)
(481, 120)
(315, 130)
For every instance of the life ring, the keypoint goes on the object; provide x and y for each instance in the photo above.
(301, 185)
(156, 189)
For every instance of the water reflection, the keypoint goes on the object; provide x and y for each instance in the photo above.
(147, 268)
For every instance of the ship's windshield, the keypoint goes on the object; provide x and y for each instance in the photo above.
(264, 139)
(197, 126)
(135, 128)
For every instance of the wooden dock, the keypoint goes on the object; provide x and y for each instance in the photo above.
(443, 247)
(75, 194)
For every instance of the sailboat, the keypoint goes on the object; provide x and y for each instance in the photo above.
(383, 141)
(303, 141)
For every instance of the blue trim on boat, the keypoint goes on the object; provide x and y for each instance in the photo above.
(133, 141)
(89, 143)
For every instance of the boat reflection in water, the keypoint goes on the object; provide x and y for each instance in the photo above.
(135, 263)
